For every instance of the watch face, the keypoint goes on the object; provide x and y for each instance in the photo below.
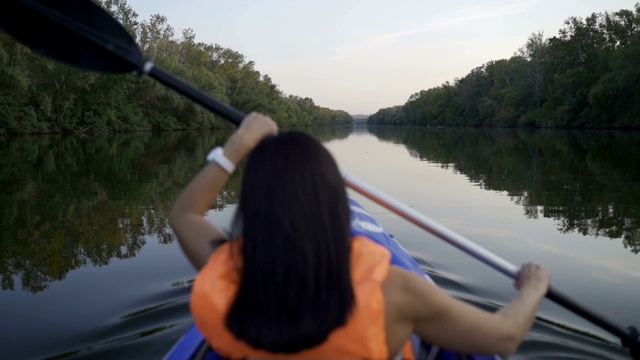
(213, 153)
(217, 155)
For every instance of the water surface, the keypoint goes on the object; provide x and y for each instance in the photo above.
(90, 268)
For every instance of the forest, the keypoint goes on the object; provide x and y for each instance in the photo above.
(38, 95)
(587, 76)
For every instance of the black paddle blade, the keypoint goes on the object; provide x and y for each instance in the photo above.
(76, 32)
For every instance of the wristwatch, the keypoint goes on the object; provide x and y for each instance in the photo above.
(217, 156)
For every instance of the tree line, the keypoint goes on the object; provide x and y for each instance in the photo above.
(585, 77)
(38, 95)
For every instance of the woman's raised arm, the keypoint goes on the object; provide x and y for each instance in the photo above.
(195, 233)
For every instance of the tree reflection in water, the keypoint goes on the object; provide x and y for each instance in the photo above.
(586, 181)
(76, 201)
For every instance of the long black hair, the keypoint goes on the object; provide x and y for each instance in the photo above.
(294, 214)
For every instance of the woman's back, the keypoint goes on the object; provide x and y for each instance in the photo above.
(363, 336)
(295, 227)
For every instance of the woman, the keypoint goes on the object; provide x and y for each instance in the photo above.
(292, 283)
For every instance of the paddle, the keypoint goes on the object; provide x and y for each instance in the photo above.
(81, 33)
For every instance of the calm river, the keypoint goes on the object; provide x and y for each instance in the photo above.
(90, 268)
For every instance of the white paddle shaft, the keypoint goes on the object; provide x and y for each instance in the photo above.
(431, 226)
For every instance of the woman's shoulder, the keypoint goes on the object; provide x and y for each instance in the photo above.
(404, 280)
(397, 289)
(400, 315)
(409, 292)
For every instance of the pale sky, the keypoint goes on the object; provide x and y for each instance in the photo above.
(361, 56)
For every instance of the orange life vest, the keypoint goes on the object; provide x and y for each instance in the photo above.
(363, 336)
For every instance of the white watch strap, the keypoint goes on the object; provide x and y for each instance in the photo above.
(217, 156)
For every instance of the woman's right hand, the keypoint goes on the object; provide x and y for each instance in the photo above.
(533, 276)
(252, 130)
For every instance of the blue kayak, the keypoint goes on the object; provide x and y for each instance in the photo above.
(192, 345)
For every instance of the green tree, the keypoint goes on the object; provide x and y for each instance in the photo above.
(39, 95)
